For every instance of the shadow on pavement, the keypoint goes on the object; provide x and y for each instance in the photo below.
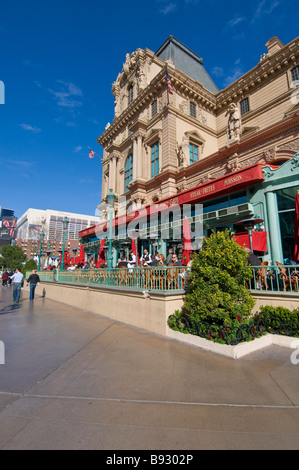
(9, 309)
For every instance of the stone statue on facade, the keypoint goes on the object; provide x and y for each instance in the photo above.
(234, 122)
(183, 151)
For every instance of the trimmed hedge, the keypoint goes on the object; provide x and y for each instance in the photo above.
(279, 320)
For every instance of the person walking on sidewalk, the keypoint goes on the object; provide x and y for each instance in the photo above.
(17, 281)
(33, 280)
(5, 278)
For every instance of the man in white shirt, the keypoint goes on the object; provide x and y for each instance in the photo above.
(17, 281)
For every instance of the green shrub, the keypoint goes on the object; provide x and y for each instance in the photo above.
(28, 266)
(217, 291)
(279, 320)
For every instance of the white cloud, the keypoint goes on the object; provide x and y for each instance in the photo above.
(265, 7)
(170, 7)
(78, 149)
(67, 95)
(29, 128)
(235, 73)
(236, 20)
(217, 71)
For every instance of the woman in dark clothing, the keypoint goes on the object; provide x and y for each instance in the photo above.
(33, 280)
(5, 278)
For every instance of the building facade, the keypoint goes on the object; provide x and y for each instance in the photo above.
(8, 223)
(176, 138)
(34, 221)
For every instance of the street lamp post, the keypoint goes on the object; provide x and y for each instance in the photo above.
(110, 201)
(65, 223)
(40, 249)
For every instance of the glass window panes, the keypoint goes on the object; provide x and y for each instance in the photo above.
(154, 108)
(295, 74)
(244, 106)
(286, 198)
(155, 159)
(128, 171)
(193, 152)
(130, 95)
(192, 110)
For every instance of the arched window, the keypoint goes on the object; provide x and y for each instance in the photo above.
(128, 171)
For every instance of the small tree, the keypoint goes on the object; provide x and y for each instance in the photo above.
(29, 266)
(217, 283)
(12, 256)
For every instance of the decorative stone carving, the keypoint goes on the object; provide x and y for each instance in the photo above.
(201, 116)
(293, 146)
(269, 155)
(234, 164)
(182, 152)
(234, 122)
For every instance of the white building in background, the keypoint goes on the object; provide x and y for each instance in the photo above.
(33, 221)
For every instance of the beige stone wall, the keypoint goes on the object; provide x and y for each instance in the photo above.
(149, 312)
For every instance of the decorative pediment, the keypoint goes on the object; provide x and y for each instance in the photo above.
(153, 135)
(195, 137)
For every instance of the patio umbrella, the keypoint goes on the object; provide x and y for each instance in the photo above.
(134, 249)
(82, 254)
(187, 246)
(101, 254)
(296, 229)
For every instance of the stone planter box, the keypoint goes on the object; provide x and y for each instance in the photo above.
(238, 351)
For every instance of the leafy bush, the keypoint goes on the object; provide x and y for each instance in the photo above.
(279, 320)
(28, 266)
(217, 291)
(232, 333)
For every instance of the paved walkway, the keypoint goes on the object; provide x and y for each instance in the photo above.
(75, 380)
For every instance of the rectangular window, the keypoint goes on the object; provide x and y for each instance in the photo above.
(193, 152)
(128, 171)
(130, 95)
(154, 108)
(295, 74)
(155, 159)
(192, 110)
(244, 106)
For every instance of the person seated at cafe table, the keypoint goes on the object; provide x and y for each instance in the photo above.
(122, 263)
(175, 261)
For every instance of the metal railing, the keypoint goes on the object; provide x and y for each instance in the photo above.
(278, 278)
(161, 279)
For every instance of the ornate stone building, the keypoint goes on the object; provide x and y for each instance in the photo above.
(174, 132)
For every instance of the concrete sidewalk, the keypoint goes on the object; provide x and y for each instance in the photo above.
(75, 380)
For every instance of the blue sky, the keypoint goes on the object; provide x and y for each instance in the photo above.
(60, 58)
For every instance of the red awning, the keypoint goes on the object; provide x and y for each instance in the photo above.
(259, 240)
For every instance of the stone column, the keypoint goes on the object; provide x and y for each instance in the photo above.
(135, 158)
(139, 156)
(112, 173)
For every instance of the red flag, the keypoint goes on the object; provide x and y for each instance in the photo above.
(170, 90)
(101, 259)
(91, 154)
(187, 247)
(134, 249)
(296, 229)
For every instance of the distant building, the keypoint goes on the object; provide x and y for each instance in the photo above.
(8, 223)
(177, 139)
(34, 221)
